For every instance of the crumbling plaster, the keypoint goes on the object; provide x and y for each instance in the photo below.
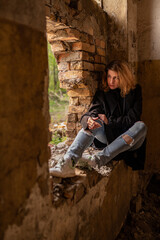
(99, 214)
(148, 21)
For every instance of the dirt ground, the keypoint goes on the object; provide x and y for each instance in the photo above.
(144, 224)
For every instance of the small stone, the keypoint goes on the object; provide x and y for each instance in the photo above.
(61, 145)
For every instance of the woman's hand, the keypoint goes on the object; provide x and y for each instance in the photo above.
(92, 124)
(103, 118)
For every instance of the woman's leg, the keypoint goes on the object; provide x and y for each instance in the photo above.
(130, 140)
(84, 139)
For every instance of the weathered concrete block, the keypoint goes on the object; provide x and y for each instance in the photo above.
(85, 100)
(78, 65)
(70, 75)
(74, 101)
(76, 109)
(63, 66)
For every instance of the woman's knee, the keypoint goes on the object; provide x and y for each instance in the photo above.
(141, 126)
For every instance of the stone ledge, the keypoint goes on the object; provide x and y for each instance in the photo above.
(96, 206)
(72, 190)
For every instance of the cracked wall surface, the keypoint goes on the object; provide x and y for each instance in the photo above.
(23, 121)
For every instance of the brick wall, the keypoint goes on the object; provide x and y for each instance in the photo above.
(79, 45)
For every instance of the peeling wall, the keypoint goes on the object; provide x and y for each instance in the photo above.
(117, 45)
(149, 75)
(23, 120)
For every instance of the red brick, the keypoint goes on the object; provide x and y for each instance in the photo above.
(71, 56)
(86, 56)
(98, 42)
(101, 51)
(58, 47)
(102, 44)
(99, 67)
(73, 33)
(103, 60)
(83, 46)
(89, 66)
(98, 59)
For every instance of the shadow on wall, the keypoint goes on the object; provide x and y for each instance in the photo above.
(149, 75)
(117, 39)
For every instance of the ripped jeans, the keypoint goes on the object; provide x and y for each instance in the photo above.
(84, 139)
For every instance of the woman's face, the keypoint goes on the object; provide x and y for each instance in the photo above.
(112, 79)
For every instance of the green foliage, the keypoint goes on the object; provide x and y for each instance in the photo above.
(58, 99)
(56, 138)
(53, 71)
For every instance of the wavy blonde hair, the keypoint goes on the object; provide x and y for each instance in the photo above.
(126, 79)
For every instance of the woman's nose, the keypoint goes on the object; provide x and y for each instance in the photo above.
(112, 80)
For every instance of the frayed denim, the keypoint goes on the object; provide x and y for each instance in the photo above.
(85, 138)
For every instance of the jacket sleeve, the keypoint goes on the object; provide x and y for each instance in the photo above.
(133, 115)
(96, 108)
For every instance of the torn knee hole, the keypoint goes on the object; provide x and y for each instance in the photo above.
(129, 140)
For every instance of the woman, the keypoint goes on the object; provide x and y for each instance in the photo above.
(112, 122)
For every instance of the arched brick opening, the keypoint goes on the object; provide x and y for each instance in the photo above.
(81, 57)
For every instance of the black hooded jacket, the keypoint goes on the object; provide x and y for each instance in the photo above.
(121, 112)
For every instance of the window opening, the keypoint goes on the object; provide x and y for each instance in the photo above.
(58, 102)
